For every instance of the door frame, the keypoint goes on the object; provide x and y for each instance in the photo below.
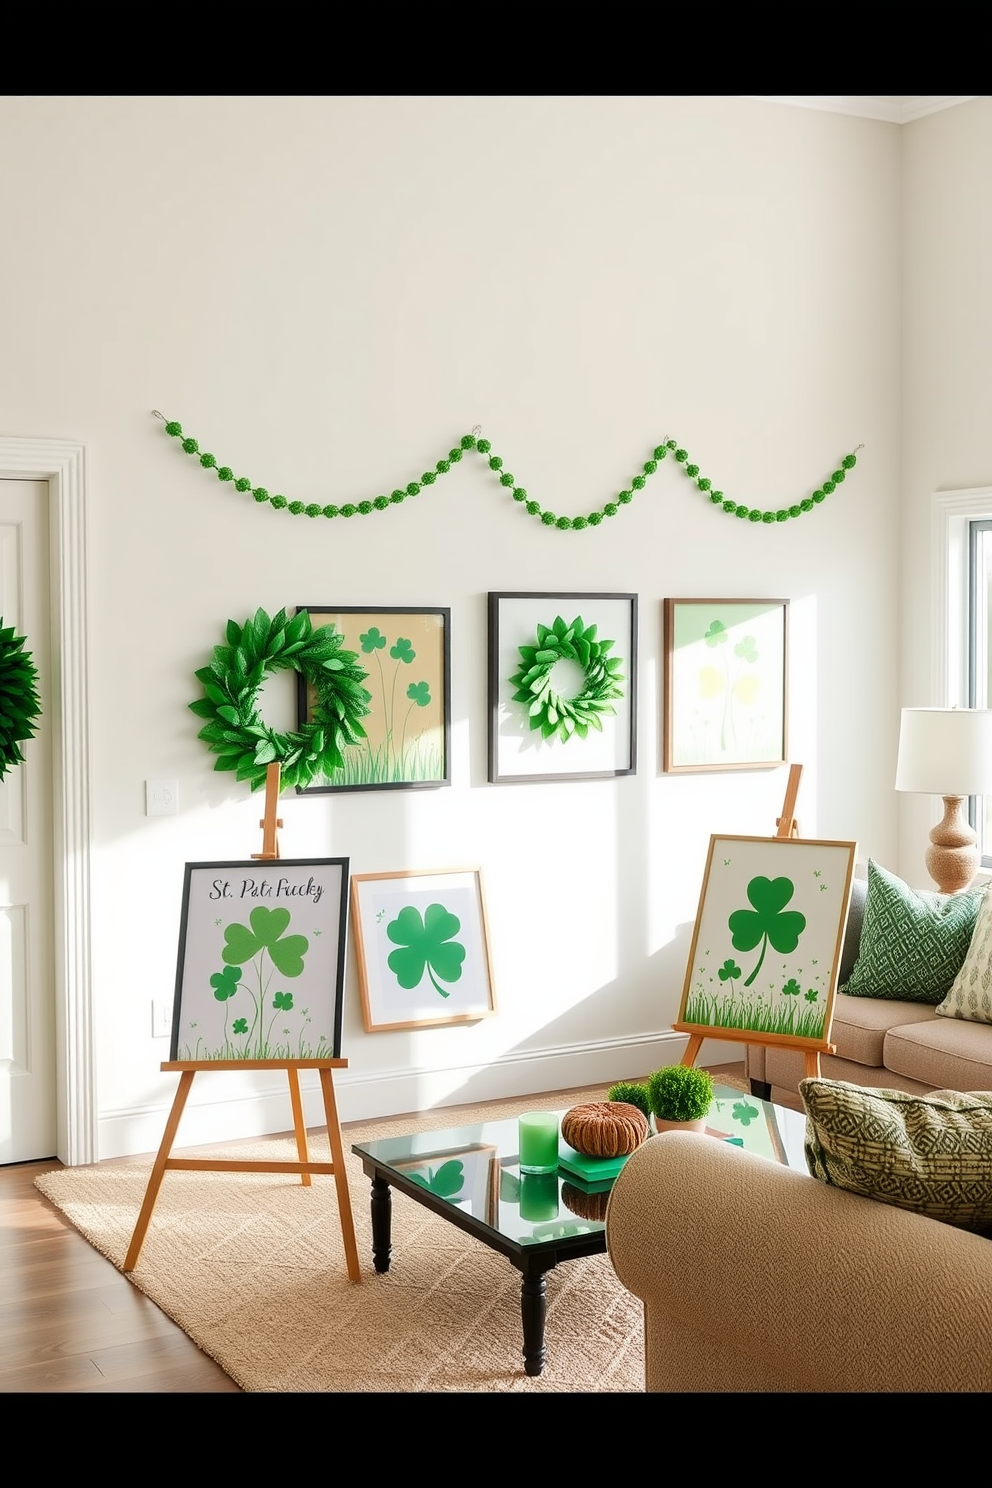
(61, 463)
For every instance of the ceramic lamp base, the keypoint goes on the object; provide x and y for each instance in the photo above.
(953, 858)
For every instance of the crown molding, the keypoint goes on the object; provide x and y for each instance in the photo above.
(890, 110)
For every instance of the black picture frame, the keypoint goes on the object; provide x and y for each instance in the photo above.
(234, 916)
(393, 757)
(576, 749)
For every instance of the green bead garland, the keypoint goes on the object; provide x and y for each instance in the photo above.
(495, 463)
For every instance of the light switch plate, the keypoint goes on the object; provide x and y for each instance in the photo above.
(161, 797)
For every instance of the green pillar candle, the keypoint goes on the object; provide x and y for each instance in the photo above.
(538, 1134)
(538, 1197)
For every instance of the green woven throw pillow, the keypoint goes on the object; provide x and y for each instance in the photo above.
(930, 1153)
(913, 941)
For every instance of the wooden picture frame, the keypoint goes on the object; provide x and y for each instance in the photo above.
(406, 653)
(422, 948)
(725, 684)
(260, 970)
(574, 718)
(767, 939)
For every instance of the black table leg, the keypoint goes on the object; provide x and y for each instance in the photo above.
(382, 1213)
(533, 1310)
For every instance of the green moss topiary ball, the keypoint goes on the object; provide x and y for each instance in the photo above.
(680, 1092)
(632, 1093)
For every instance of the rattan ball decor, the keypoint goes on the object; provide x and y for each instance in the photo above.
(604, 1128)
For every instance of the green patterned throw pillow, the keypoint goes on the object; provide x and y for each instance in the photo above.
(913, 941)
(929, 1153)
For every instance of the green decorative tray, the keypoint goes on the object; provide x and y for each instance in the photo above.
(591, 1169)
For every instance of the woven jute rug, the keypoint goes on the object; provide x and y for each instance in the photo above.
(252, 1267)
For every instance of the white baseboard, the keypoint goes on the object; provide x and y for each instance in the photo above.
(212, 1116)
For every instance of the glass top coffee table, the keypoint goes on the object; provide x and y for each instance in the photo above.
(470, 1176)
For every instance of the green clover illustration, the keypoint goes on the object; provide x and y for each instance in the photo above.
(812, 995)
(225, 983)
(419, 693)
(716, 635)
(240, 1025)
(744, 1112)
(426, 945)
(403, 650)
(768, 923)
(746, 649)
(267, 926)
(791, 988)
(729, 970)
(444, 1181)
(372, 640)
(283, 1000)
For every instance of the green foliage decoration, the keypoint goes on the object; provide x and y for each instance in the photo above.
(236, 733)
(680, 1092)
(548, 710)
(19, 704)
(631, 1093)
(519, 493)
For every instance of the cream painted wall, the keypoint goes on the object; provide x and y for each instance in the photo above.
(328, 292)
(947, 385)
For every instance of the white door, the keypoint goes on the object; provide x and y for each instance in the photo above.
(27, 954)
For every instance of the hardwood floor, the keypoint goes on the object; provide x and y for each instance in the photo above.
(70, 1322)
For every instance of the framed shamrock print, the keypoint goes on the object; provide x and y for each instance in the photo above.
(562, 686)
(405, 656)
(260, 972)
(767, 940)
(726, 684)
(422, 948)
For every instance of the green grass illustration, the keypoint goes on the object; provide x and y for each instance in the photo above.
(712, 1011)
(420, 760)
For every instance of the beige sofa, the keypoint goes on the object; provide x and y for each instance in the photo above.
(756, 1277)
(881, 1043)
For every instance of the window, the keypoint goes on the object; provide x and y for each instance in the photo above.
(979, 652)
(962, 590)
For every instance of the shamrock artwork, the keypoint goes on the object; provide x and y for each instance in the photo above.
(422, 948)
(767, 939)
(725, 683)
(405, 656)
(260, 971)
(468, 1177)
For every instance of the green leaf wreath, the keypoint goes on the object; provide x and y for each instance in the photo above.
(19, 704)
(235, 732)
(548, 710)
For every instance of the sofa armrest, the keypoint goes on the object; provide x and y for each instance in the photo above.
(755, 1277)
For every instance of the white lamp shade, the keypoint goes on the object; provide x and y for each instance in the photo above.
(945, 751)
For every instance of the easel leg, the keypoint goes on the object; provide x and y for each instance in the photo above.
(158, 1171)
(813, 1064)
(692, 1048)
(340, 1176)
(298, 1123)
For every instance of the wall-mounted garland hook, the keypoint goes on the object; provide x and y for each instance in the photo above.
(156, 414)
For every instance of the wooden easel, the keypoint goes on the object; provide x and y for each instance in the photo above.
(810, 1048)
(188, 1068)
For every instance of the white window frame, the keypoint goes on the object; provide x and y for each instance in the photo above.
(952, 513)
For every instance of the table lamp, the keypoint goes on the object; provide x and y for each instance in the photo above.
(948, 752)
